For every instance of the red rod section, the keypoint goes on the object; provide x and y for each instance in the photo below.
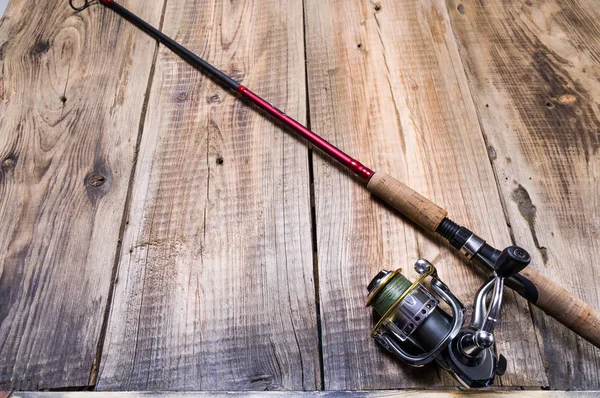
(341, 157)
(351, 164)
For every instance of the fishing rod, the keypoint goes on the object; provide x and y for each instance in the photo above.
(411, 325)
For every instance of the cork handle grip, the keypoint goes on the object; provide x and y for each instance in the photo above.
(565, 308)
(408, 202)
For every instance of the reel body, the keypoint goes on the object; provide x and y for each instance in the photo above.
(415, 329)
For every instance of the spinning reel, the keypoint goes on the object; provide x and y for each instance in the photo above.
(413, 327)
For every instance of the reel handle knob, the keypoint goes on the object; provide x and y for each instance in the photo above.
(512, 260)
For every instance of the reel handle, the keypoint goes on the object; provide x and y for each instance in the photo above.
(512, 260)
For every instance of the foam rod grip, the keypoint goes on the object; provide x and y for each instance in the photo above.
(407, 201)
(565, 308)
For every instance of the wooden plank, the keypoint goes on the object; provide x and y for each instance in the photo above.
(533, 68)
(387, 85)
(65, 163)
(325, 394)
(215, 283)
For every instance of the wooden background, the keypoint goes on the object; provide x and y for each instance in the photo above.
(157, 234)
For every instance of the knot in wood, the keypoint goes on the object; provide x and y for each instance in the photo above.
(9, 163)
(180, 97)
(213, 99)
(40, 48)
(95, 180)
(235, 73)
(567, 99)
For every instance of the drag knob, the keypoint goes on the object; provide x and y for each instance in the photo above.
(511, 261)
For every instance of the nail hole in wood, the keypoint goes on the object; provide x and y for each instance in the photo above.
(220, 160)
(63, 99)
(461, 8)
(549, 105)
(359, 45)
(377, 7)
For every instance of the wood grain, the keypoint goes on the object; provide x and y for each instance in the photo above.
(65, 162)
(534, 72)
(386, 83)
(215, 284)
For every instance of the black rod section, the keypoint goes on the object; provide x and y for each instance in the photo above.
(177, 48)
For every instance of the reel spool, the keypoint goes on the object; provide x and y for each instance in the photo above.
(415, 329)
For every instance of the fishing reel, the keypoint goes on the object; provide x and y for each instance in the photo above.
(415, 329)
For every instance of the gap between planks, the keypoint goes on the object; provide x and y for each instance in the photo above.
(124, 220)
(313, 210)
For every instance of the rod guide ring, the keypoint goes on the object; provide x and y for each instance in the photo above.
(86, 4)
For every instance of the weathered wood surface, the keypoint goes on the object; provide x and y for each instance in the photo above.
(324, 394)
(215, 284)
(71, 92)
(215, 287)
(534, 72)
(386, 83)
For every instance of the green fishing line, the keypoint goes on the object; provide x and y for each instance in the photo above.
(390, 293)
